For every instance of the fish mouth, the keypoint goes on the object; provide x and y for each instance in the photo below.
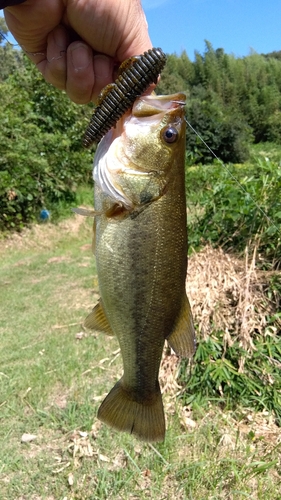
(115, 153)
(151, 105)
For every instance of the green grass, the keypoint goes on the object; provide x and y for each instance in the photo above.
(270, 150)
(53, 376)
(238, 206)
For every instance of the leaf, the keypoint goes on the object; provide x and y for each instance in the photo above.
(27, 438)
(70, 479)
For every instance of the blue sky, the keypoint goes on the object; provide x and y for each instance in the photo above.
(237, 26)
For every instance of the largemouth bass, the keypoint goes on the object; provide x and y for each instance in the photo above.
(140, 243)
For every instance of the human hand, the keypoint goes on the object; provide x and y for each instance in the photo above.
(77, 43)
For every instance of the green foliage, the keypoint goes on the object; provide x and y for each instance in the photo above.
(276, 54)
(227, 135)
(3, 29)
(41, 157)
(273, 132)
(230, 100)
(240, 205)
(217, 374)
(176, 75)
(11, 60)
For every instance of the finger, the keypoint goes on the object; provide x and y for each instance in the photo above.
(86, 74)
(104, 73)
(80, 72)
(53, 67)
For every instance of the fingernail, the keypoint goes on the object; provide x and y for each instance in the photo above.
(103, 66)
(80, 56)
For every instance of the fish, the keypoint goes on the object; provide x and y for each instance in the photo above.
(140, 246)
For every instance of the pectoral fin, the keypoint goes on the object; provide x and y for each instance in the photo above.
(182, 339)
(97, 320)
(86, 212)
(94, 237)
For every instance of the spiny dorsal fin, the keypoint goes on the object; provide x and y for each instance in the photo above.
(97, 320)
(182, 339)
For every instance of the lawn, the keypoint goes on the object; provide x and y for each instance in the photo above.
(54, 374)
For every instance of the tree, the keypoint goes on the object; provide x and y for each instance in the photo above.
(3, 29)
(246, 92)
(11, 59)
(41, 156)
(226, 134)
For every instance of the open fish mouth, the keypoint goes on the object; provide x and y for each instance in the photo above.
(115, 154)
(152, 104)
(150, 107)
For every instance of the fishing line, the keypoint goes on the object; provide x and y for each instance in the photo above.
(6, 39)
(233, 177)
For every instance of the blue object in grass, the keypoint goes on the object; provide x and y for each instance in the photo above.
(44, 215)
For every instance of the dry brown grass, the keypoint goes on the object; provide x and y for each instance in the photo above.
(43, 235)
(231, 295)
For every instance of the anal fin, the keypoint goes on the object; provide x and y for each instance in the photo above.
(97, 320)
(182, 339)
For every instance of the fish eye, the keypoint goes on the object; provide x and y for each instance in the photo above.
(170, 134)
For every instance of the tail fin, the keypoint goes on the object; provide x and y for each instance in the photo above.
(145, 420)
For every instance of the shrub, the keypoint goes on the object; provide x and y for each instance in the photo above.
(41, 157)
(239, 206)
(232, 376)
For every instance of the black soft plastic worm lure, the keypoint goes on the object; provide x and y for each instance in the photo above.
(135, 76)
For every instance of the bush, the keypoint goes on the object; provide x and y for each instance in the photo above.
(273, 131)
(41, 157)
(239, 206)
(232, 376)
